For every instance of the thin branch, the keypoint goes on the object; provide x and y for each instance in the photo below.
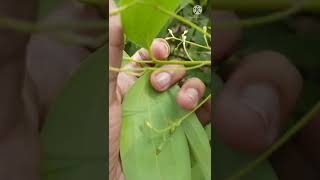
(29, 27)
(260, 20)
(115, 69)
(177, 122)
(189, 42)
(289, 134)
(254, 5)
(164, 62)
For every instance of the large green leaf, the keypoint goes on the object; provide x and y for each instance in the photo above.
(139, 144)
(199, 145)
(74, 137)
(142, 22)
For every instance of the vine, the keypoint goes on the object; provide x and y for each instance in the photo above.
(281, 141)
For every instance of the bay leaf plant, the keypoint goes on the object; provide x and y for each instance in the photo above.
(159, 140)
(158, 131)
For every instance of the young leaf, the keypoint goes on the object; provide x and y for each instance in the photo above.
(142, 22)
(145, 153)
(74, 136)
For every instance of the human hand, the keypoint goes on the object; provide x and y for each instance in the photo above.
(259, 94)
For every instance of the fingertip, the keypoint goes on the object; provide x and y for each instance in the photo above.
(241, 127)
(256, 101)
(160, 80)
(164, 77)
(160, 48)
(188, 98)
(190, 93)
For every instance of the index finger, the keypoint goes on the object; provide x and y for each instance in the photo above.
(115, 48)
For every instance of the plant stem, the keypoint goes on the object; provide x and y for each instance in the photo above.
(115, 69)
(178, 122)
(163, 62)
(184, 20)
(259, 20)
(191, 43)
(254, 5)
(29, 27)
(122, 8)
(291, 132)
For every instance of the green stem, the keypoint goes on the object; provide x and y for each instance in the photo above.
(189, 42)
(178, 122)
(164, 62)
(260, 20)
(155, 68)
(122, 8)
(29, 27)
(254, 5)
(183, 20)
(289, 134)
(185, 49)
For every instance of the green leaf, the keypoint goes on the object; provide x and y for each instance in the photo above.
(74, 137)
(199, 144)
(139, 144)
(203, 2)
(196, 172)
(142, 23)
(227, 160)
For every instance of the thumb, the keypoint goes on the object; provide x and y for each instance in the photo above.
(115, 50)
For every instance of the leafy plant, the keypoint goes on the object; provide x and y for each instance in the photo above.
(159, 140)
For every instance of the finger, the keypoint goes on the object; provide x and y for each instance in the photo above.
(115, 50)
(126, 80)
(224, 40)
(163, 78)
(160, 49)
(141, 54)
(190, 93)
(256, 101)
(204, 113)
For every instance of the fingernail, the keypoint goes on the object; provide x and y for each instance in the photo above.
(163, 80)
(193, 96)
(263, 99)
(165, 45)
